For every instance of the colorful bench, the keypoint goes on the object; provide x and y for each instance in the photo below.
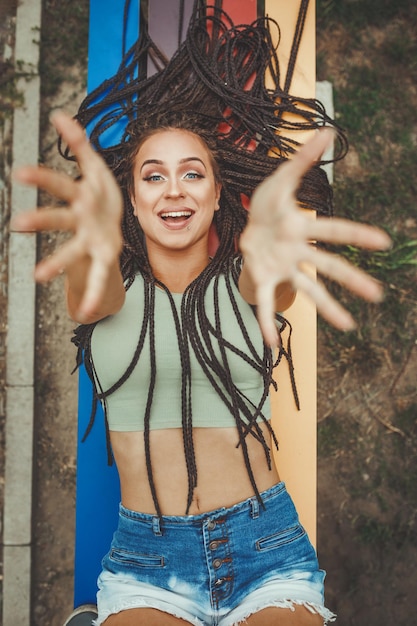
(98, 493)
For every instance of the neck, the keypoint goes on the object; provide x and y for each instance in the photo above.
(178, 268)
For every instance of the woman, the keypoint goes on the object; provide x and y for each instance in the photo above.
(207, 532)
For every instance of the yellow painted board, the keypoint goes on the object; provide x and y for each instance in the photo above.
(297, 430)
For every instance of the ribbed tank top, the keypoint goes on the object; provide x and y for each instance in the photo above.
(115, 339)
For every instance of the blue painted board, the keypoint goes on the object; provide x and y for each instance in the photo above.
(97, 492)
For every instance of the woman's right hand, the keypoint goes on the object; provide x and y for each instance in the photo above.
(93, 214)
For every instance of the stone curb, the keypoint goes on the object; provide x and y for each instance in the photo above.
(17, 513)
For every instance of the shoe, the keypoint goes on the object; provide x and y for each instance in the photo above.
(82, 616)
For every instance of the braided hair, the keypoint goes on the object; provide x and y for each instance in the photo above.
(214, 86)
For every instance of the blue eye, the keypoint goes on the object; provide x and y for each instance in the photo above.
(193, 175)
(153, 178)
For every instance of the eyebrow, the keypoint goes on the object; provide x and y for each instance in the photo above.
(185, 160)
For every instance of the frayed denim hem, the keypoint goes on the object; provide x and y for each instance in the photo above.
(234, 619)
(144, 603)
(238, 617)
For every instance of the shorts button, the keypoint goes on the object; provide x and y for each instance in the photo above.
(213, 545)
(211, 524)
(217, 563)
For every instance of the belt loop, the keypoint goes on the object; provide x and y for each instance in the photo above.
(156, 525)
(254, 505)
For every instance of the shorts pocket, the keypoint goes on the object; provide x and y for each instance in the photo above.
(124, 557)
(281, 538)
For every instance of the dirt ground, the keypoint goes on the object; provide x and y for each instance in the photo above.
(367, 438)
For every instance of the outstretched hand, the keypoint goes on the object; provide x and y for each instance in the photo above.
(93, 215)
(277, 245)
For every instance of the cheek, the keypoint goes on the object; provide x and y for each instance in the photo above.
(141, 200)
(138, 213)
(132, 197)
(143, 212)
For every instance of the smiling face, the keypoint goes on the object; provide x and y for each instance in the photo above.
(175, 193)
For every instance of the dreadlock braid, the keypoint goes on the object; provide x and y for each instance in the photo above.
(215, 87)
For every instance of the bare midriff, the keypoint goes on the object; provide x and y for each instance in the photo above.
(223, 479)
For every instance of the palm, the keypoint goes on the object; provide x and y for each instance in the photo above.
(278, 244)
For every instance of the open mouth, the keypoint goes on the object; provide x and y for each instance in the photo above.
(176, 218)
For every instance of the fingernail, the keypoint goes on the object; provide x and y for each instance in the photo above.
(18, 221)
(55, 114)
(15, 223)
(379, 296)
(81, 317)
(378, 292)
(348, 324)
(40, 275)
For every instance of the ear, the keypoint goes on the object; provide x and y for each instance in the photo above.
(133, 203)
(218, 193)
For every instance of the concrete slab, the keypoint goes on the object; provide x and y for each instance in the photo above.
(324, 93)
(26, 135)
(20, 335)
(18, 472)
(16, 586)
(21, 310)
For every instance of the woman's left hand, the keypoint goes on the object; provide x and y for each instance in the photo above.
(277, 245)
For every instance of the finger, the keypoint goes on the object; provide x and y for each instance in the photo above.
(49, 268)
(44, 220)
(265, 314)
(328, 307)
(353, 278)
(56, 183)
(341, 231)
(304, 159)
(74, 135)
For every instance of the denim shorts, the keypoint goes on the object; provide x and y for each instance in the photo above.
(216, 568)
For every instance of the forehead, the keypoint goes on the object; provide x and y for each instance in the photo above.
(173, 145)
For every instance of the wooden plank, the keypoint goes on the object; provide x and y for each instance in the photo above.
(98, 493)
(297, 430)
(164, 26)
(241, 11)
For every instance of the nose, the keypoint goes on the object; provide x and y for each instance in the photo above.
(174, 188)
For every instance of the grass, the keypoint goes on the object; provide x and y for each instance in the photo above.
(373, 68)
(64, 45)
(331, 437)
(376, 103)
(371, 531)
(382, 477)
(383, 264)
(363, 13)
(10, 96)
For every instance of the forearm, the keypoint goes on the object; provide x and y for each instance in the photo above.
(75, 288)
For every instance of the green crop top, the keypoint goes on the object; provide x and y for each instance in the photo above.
(115, 339)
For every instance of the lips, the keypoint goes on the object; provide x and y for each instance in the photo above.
(176, 219)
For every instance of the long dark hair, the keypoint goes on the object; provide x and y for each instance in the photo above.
(214, 86)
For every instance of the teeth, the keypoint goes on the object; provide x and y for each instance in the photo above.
(176, 214)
